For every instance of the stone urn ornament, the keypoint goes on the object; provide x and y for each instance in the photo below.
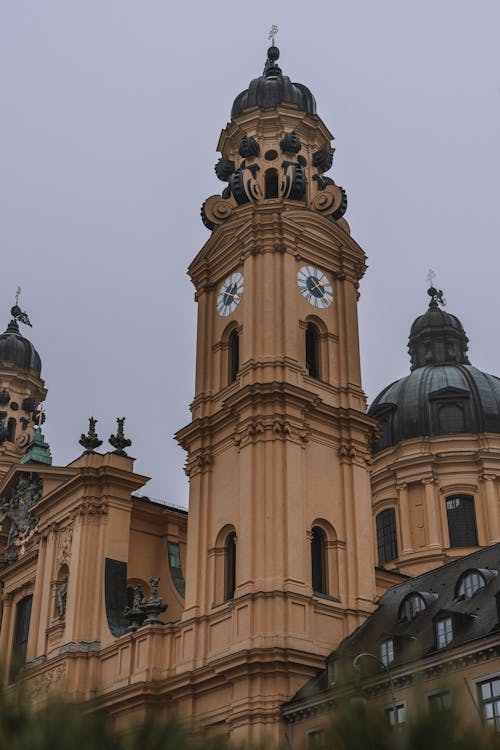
(154, 605)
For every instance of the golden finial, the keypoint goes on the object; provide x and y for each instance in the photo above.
(272, 33)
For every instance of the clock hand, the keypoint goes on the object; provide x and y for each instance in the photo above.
(317, 286)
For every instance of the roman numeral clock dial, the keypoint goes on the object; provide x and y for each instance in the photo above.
(230, 294)
(315, 287)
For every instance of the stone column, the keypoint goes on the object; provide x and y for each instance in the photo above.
(491, 503)
(433, 540)
(31, 649)
(404, 514)
(4, 632)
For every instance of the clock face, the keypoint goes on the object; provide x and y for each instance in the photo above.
(230, 294)
(315, 287)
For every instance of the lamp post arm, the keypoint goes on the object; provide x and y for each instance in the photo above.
(356, 667)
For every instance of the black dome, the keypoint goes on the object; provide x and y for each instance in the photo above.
(272, 88)
(16, 349)
(444, 393)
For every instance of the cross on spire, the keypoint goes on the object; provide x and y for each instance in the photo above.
(272, 33)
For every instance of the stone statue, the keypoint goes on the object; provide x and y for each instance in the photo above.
(135, 614)
(61, 596)
(16, 507)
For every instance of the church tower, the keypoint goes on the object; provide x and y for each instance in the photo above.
(279, 553)
(21, 392)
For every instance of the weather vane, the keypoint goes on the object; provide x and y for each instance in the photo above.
(436, 295)
(17, 313)
(272, 33)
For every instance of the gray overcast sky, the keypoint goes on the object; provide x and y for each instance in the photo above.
(111, 112)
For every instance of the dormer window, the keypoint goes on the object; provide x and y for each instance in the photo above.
(469, 583)
(411, 606)
(386, 652)
(444, 631)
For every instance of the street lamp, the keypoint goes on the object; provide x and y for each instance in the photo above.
(355, 665)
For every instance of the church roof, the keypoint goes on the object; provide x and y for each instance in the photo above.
(444, 393)
(272, 88)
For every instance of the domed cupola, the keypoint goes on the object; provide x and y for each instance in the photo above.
(436, 337)
(444, 393)
(273, 88)
(16, 349)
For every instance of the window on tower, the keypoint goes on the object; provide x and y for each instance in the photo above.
(461, 521)
(271, 183)
(11, 429)
(312, 351)
(230, 567)
(318, 561)
(234, 355)
(387, 541)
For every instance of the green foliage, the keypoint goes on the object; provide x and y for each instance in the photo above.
(62, 726)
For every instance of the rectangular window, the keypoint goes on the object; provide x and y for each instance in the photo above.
(400, 714)
(21, 632)
(316, 738)
(174, 563)
(439, 702)
(387, 541)
(386, 651)
(444, 632)
(489, 699)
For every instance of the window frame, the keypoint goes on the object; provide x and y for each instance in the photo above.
(492, 699)
(19, 647)
(319, 556)
(411, 613)
(389, 712)
(384, 541)
(388, 652)
(468, 575)
(462, 532)
(230, 566)
(448, 632)
(312, 337)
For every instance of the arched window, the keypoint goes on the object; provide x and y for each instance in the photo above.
(230, 567)
(234, 355)
(271, 183)
(411, 606)
(312, 351)
(387, 541)
(21, 632)
(461, 521)
(469, 583)
(318, 561)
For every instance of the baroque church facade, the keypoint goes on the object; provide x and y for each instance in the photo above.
(304, 507)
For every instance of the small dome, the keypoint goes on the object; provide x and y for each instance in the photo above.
(444, 394)
(437, 337)
(16, 349)
(272, 88)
